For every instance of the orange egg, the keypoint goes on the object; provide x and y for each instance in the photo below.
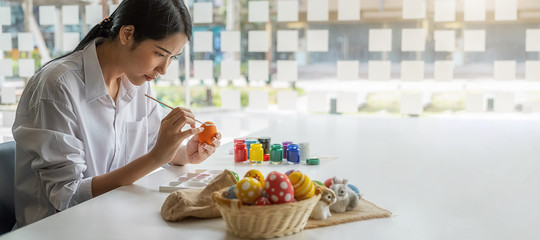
(208, 133)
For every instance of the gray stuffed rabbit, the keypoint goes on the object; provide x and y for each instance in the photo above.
(347, 199)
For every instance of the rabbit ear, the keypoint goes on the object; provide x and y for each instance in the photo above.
(345, 181)
(335, 180)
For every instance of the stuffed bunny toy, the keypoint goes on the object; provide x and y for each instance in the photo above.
(322, 208)
(347, 199)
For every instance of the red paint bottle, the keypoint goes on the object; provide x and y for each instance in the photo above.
(240, 152)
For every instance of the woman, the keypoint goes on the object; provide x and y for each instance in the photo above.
(83, 125)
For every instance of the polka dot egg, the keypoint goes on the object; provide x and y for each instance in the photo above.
(263, 201)
(253, 173)
(248, 190)
(278, 188)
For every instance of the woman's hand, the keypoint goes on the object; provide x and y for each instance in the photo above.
(171, 135)
(197, 152)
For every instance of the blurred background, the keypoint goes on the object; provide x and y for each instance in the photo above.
(254, 63)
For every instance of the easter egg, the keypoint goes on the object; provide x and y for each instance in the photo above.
(257, 175)
(278, 188)
(248, 190)
(354, 188)
(208, 133)
(318, 182)
(262, 201)
(290, 171)
(329, 182)
(231, 194)
(303, 186)
(235, 175)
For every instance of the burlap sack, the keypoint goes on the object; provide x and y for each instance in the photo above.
(196, 202)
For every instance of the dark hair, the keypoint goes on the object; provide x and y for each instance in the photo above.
(152, 19)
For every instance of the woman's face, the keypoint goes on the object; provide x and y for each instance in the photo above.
(150, 58)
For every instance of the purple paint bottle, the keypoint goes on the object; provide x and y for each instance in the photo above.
(285, 144)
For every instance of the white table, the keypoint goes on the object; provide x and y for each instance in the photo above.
(442, 179)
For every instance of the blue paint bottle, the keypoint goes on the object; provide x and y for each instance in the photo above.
(293, 154)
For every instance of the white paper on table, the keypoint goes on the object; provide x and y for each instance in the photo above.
(70, 41)
(504, 102)
(347, 102)
(47, 15)
(286, 100)
(287, 11)
(317, 10)
(258, 99)
(6, 67)
(257, 41)
(258, 11)
(412, 70)
(8, 95)
(26, 67)
(230, 99)
(25, 41)
(258, 70)
(287, 70)
(203, 69)
(173, 71)
(317, 40)
(413, 40)
(474, 40)
(203, 12)
(230, 41)
(348, 10)
(202, 41)
(411, 103)
(347, 70)
(70, 14)
(230, 69)
(8, 119)
(475, 102)
(379, 70)
(532, 42)
(443, 70)
(94, 14)
(475, 10)
(505, 10)
(414, 9)
(504, 70)
(318, 102)
(5, 16)
(445, 40)
(112, 8)
(380, 40)
(287, 40)
(532, 70)
(6, 42)
(445, 11)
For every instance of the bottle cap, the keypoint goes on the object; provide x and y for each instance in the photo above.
(312, 161)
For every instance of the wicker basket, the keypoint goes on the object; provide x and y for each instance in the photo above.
(264, 221)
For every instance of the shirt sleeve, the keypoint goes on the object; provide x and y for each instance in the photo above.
(59, 157)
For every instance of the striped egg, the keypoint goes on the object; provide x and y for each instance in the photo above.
(248, 190)
(303, 186)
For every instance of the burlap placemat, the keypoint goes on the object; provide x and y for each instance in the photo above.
(366, 210)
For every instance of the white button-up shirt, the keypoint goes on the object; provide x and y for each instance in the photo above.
(68, 130)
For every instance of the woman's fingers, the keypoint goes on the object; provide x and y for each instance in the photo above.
(192, 131)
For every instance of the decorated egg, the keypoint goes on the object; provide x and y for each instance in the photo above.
(235, 175)
(208, 133)
(303, 186)
(231, 194)
(290, 171)
(318, 182)
(278, 188)
(253, 173)
(248, 190)
(262, 201)
(329, 182)
(354, 188)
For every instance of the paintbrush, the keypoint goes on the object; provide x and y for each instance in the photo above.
(162, 103)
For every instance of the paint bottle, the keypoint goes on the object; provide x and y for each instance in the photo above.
(256, 153)
(285, 144)
(293, 154)
(265, 141)
(240, 152)
(237, 140)
(276, 154)
(303, 147)
(250, 141)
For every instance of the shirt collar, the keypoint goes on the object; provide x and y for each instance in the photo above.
(93, 77)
